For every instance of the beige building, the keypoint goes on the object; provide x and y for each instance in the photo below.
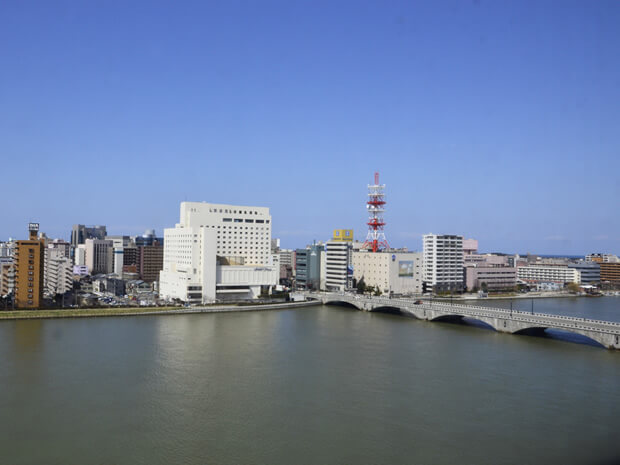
(99, 256)
(397, 272)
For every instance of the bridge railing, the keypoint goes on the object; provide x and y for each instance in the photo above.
(488, 312)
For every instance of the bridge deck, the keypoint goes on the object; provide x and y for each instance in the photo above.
(606, 333)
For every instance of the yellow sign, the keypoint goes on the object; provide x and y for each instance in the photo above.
(343, 235)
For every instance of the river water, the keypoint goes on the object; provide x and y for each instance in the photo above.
(314, 385)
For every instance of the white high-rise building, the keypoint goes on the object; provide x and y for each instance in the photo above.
(217, 252)
(443, 262)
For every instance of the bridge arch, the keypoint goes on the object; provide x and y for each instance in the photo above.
(387, 309)
(475, 321)
(563, 334)
(344, 303)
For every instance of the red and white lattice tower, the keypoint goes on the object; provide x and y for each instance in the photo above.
(375, 240)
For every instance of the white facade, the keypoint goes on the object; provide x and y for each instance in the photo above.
(79, 257)
(118, 261)
(443, 262)
(548, 274)
(58, 273)
(396, 272)
(239, 235)
(337, 262)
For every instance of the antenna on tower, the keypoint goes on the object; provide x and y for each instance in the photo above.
(375, 240)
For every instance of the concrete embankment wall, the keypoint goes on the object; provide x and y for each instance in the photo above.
(85, 313)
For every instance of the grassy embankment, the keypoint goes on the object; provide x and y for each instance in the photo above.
(80, 312)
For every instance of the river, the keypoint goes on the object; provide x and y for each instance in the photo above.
(314, 385)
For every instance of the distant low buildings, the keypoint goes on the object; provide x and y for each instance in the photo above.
(589, 272)
(80, 233)
(610, 272)
(602, 258)
(491, 278)
(533, 274)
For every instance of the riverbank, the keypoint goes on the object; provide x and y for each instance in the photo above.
(140, 311)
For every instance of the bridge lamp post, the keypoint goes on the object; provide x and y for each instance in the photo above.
(532, 306)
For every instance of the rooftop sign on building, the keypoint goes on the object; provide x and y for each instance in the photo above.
(343, 235)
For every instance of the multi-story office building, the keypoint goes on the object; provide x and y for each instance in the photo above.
(443, 262)
(392, 271)
(58, 276)
(534, 274)
(287, 263)
(99, 255)
(589, 272)
(610, 272)
(29, 269)
(80, 233)
(308, 263)
(217, 252)
(338, 271)
(494, 278)
(150, 261)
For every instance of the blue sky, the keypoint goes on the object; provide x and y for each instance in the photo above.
(495, 120)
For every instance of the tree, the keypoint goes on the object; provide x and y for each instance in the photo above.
(361, 286)
(377, 291)
(484, 287)
(573, 287)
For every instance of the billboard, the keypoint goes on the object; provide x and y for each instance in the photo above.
(405, 269)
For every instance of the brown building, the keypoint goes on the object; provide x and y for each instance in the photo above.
(150, 261)
(610, 272)
(29, 267)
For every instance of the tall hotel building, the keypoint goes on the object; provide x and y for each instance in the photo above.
(217, 252)
(443, 262)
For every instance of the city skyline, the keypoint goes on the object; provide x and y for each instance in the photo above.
(482, 120)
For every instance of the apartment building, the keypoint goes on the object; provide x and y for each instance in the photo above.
(443, 262)
(29, 268)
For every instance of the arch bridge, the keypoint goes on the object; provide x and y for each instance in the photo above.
(606, 333)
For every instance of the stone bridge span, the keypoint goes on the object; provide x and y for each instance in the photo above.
(606, 333)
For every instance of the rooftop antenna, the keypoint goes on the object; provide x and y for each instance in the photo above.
(375, 240)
